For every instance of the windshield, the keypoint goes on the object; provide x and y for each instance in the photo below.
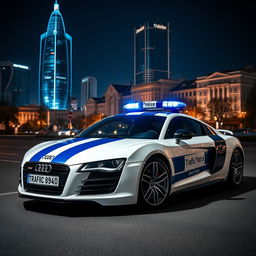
(139, 127)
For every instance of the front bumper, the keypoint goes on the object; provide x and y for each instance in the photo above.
(125, 193)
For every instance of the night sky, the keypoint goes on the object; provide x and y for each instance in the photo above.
(206, 36)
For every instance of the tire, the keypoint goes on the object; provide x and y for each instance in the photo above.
(155, 183)
(236, 169)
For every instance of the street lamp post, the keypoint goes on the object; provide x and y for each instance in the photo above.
(16, 128)
(243, 115)
(216, 122)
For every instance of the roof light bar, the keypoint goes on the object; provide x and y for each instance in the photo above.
(170, 105)
(132, 106)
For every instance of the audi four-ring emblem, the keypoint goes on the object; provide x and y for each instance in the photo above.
(43, 168)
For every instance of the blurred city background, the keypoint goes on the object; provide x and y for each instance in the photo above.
(65, 65)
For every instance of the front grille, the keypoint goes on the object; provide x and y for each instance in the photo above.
(59, 170)
(100, 182)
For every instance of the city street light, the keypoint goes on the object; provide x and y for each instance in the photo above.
(16, 128)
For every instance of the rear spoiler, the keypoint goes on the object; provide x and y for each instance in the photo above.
(225, 132)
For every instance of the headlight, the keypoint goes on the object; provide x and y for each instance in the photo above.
(105, 166)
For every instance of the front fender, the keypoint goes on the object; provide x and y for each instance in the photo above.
(143, 153)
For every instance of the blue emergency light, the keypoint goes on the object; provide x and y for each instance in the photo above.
(169, 105)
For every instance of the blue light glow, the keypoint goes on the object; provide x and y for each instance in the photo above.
(155, 105)
(132, 106)
(173, 104)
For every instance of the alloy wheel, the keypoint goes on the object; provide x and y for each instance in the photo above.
(155, 183)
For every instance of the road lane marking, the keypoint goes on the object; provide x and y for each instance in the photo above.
(8, 193)
(10, 161)
(8, 154)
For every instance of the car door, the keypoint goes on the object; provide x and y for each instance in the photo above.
(191, 158)
(217, 153)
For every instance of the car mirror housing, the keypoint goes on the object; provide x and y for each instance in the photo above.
(183, 134)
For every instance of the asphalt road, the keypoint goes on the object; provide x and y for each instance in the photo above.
(210, 221)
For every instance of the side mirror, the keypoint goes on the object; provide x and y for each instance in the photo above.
(183, 134)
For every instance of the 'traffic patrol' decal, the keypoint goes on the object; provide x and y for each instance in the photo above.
(194, 161)
(189, 165)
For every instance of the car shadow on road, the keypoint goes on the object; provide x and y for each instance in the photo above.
(177, 202)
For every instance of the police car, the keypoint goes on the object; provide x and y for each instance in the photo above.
(140, 156)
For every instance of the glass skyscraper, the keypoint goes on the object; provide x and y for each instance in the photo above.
(55, 64)
(88, 90)
(15, 83)
(151, 53)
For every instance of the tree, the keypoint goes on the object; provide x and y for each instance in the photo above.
(219, 109)
(61, 122)
(91, 119)
(79, 122)
(195, 111)
(8, 115)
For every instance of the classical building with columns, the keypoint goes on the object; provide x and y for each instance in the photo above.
(116, 96)
(233, 85)
(28, 113)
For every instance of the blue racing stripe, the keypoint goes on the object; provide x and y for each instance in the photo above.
(179, 163)
(190, 173)
(65, 155)
(47, 150)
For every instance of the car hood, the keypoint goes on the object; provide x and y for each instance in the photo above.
(80, 150)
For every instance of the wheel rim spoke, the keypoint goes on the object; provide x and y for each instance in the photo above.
(155, 196)
(148, 193)
(160, 191)
(237, 176)
(155, 169)
(237, 165)
(146, 178)
(162, 180)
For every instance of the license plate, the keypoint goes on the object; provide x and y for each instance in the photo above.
(43, 180)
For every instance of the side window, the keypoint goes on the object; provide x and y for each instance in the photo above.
(184, 123)
(174, 125)
(209, 131)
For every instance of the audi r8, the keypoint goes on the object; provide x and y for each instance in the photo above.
(135, 157)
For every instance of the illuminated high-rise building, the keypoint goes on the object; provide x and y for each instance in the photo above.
(151, 53)
(55, 64)
(15, 83)
(88, 90)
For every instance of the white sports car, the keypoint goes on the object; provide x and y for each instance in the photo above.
(137, 157)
